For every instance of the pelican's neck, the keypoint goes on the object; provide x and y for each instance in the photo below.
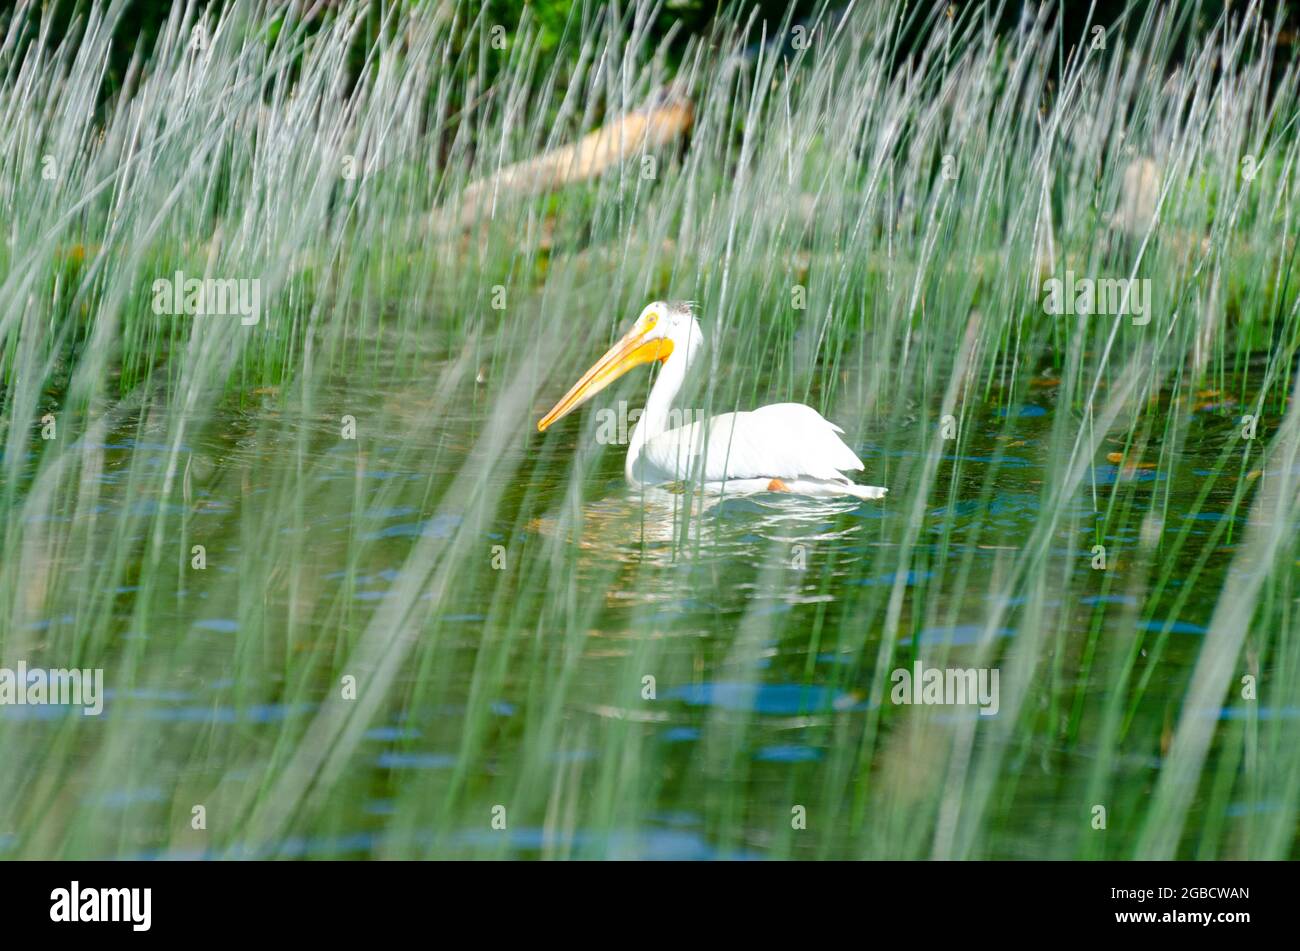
(655, 416)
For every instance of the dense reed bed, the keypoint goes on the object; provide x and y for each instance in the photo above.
(413, 627)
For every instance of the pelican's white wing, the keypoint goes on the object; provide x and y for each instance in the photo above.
(782, 441)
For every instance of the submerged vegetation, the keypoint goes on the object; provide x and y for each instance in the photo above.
(346, 599)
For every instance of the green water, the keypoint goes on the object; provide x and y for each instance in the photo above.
(631, 674)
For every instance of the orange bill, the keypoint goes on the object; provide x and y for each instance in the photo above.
(632, 351)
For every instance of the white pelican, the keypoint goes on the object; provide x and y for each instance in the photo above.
(785, 447)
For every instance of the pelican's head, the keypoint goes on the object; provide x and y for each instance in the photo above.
(664, 328)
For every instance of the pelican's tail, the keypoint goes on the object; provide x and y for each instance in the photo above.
(865, 491)
(802, 485)
(827, 488)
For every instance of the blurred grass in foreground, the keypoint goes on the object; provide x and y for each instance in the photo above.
(920, 209)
